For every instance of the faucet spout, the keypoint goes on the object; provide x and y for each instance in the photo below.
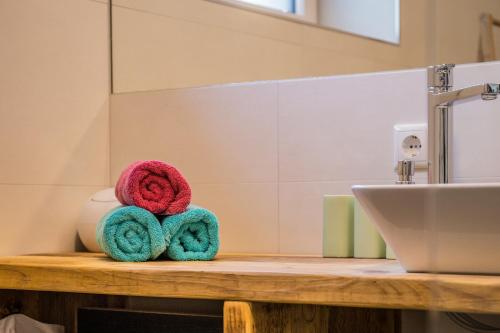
(487, 91)
(491, 91)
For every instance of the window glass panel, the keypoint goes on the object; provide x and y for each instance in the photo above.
(283, 5)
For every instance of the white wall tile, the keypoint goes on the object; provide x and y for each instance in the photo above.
(248, 215)
(341, 128)
(40, 218)
(476, 135)
(55, 89)
(219, 134)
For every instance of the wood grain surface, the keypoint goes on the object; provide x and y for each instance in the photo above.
(54, 307)
(246, 317)
(278, 279)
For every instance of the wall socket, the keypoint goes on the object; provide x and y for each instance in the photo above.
(410, 143)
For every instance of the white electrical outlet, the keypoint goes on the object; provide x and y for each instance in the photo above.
(410, 143)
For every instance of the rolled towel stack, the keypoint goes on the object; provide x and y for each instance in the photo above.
(179, 230)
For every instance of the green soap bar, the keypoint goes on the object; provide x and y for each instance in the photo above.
(389, 254)
(367, 241)
(338, 226)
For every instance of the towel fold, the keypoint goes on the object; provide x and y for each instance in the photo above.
(192, 235)
(19, 323)
(130, 234)
(155, 186)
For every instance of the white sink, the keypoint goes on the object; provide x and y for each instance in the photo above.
(445, 228)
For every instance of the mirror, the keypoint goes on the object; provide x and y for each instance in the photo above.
(377, 19)
(168, 44)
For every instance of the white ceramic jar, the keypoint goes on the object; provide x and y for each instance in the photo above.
(94, 209)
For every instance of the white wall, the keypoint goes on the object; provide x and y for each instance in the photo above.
(263, 154)
(54, 83)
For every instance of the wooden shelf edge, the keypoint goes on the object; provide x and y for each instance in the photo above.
(294, 280)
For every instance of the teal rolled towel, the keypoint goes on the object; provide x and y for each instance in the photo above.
(130, 233)
(191, 235)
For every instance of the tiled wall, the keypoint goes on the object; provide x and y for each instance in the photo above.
(54, 111)
(224, 139)
(261, 155)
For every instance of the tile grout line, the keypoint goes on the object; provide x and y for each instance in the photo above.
(110, 33)
(333, 181)
(491, 179)
(54, 185)
(111, 87)
(278, 163)
(100, 1)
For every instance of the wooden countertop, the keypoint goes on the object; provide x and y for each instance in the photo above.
(280, 279)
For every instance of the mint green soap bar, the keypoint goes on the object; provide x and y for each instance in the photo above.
(338, 226)
(389, 254)
(367, 241)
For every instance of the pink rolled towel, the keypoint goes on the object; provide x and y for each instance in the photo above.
(155, 186)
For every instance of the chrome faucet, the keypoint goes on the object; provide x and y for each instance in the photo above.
(441, 97)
